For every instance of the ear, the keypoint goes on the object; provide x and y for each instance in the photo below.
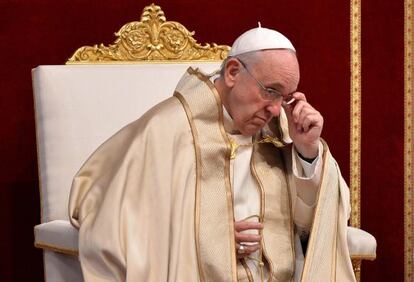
(232, 70)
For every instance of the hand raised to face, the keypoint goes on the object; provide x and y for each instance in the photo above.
(305, 125)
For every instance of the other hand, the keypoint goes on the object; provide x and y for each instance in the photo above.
(250, 242)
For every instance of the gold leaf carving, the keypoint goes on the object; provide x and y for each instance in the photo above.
(151, 39)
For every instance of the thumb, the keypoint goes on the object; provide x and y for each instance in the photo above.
(288, 109)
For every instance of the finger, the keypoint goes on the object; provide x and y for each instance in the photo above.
(299, 96)
(246, 225)
(309, 122)
(248, 250)
(306, 111)
(243, 237)
(296, 112)
(292, 101)
(310, 117)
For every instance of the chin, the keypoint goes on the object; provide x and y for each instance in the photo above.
(250, 131)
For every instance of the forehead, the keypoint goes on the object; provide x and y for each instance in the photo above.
(273, 60)
(278, 68)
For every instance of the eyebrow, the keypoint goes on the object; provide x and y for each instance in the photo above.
(276, 86)
(279, 87)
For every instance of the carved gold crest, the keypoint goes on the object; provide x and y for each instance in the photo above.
(151, 39)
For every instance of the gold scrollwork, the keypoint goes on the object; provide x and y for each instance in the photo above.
(151, 39)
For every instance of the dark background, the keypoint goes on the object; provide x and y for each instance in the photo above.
(46, 32)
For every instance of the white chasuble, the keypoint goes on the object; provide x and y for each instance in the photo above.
(155, 201)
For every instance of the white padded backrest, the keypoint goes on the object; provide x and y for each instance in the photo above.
(78, 107)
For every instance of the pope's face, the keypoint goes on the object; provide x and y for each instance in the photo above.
(275, 69)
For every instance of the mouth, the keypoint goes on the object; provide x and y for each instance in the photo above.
(259, 120)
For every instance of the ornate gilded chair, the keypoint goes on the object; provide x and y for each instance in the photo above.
(81, 104)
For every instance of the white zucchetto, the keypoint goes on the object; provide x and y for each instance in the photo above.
(260, 38)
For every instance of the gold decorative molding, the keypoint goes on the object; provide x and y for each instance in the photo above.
(151, 39)
(408, 141)
(57, 249)
(356, 265)
(357, 261)
(355, 142)
(355, 165)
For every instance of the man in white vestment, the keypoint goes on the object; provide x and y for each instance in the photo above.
(228, 180)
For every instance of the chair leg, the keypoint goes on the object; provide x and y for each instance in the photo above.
(356, 264)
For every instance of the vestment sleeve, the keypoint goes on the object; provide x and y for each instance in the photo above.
(132, 202)
(306, 187)
(113, 202)
(96, 208)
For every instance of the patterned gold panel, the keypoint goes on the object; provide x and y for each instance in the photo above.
(355, 165)
(151, 39)
(408, 141)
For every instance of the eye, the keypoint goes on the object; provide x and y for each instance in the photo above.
(273, 92)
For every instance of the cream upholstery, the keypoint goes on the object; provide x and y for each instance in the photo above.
(77, 108)
(61, 267)
(361, 244)
(49, 235)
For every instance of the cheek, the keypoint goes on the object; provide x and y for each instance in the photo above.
(250, 104)
(245, 105)
(242, 113)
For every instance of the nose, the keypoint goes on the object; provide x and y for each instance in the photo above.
(274, 108)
